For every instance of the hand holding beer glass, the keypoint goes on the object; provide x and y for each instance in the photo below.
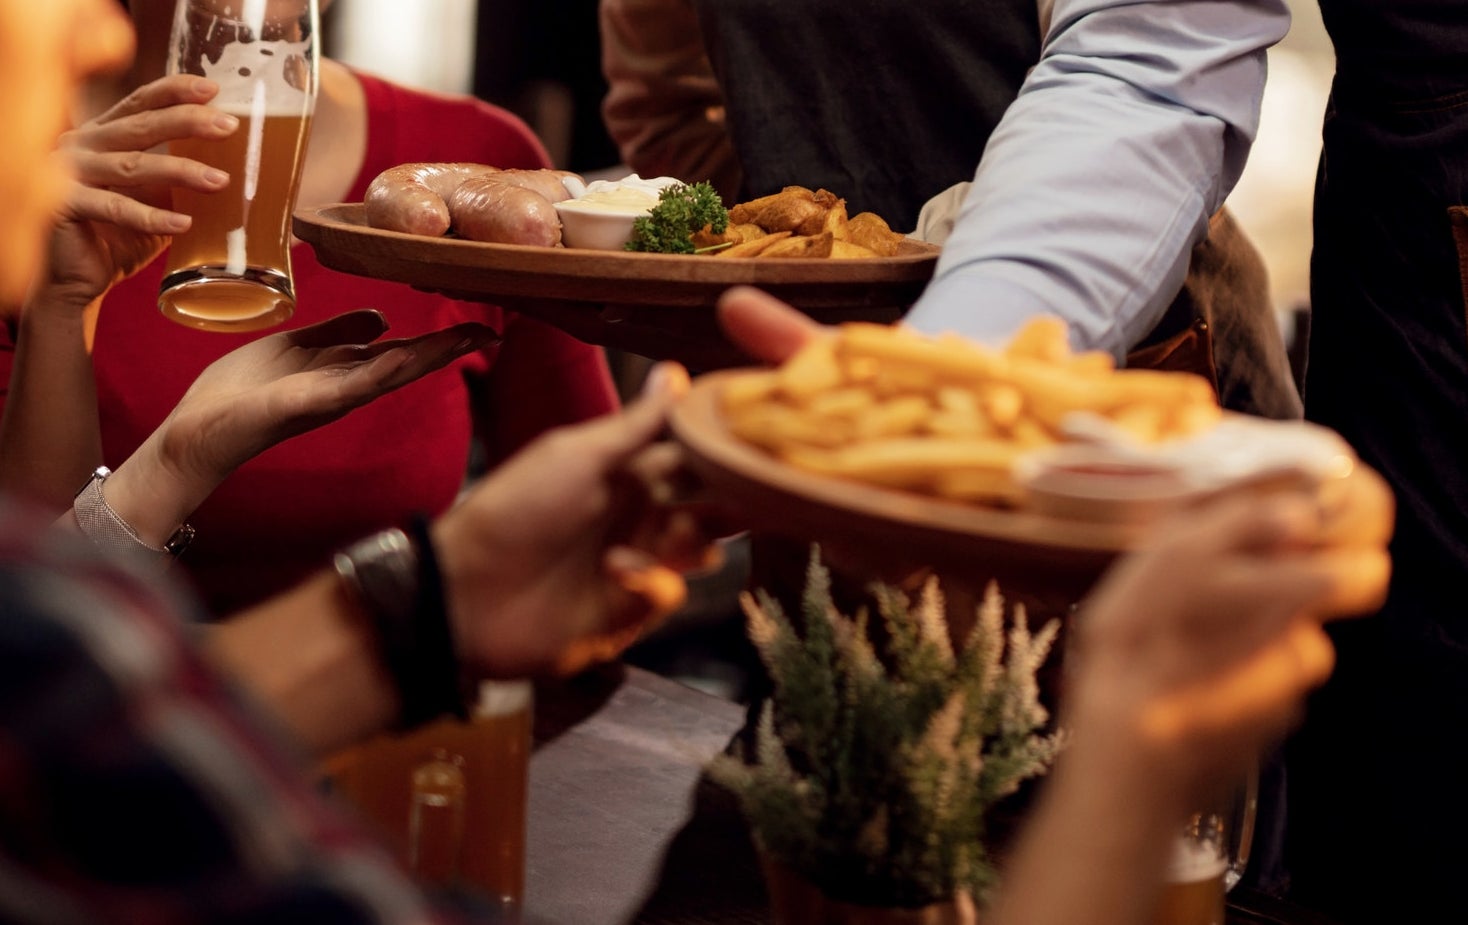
(1193, 655)
(231, 271)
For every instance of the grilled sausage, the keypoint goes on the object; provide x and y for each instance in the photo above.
(480, 203)
(490, 209)
(412, 198)
(545, 182)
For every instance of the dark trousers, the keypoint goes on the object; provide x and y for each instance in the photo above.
(1378, 775)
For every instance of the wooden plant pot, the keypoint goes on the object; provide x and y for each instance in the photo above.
(796, 901)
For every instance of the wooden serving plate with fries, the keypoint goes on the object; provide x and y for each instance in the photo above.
(1031, 463)
(1014, 545)
(656, 305)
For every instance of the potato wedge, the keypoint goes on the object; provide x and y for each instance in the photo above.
(747, 232)
(801, 246)
(734, 234)
(871, 231)
(835, 217)
(847, 250)
(753, 247)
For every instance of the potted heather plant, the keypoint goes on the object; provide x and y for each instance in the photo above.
(874, 768)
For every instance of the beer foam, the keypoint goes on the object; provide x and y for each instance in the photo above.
(501, 698)
(1194, 860)
(259, 79)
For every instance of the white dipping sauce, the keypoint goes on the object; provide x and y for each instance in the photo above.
(620, 199)
(629, 195)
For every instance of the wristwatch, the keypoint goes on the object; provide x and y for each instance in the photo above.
(103, 526)
(394, 578)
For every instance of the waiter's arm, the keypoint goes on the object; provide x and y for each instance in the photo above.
(1126, 137)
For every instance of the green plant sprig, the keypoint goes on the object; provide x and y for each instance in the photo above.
(682, 210)
(874, 772)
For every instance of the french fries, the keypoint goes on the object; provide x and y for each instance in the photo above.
(809, 223)
(945, 416)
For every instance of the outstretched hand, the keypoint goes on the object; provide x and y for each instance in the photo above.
(288, 383)
(567, 552)
(263, 393)
(116, 218)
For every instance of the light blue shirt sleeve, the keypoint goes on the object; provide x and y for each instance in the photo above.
(1127, 135)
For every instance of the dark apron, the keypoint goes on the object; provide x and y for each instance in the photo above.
(887, 105)
(1379, 773)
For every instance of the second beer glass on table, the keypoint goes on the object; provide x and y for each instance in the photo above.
(450, 798)
(1195, 883)
(1208, 859)
(231, 271)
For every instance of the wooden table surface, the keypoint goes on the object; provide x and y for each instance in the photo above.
(624, 829)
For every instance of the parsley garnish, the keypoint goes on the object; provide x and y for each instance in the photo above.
(681, 210)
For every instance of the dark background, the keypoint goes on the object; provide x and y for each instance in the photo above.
(540, 59)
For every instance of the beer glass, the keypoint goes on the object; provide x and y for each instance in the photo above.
(495, 745)
(450, 798)
(436, 817)
(231, 271)
(1192, 892)
(1208, 860)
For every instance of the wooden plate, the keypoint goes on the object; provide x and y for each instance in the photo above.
(895, 531)
(658, 305)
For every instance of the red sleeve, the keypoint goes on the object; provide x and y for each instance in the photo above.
(411, 126)
(541, 377)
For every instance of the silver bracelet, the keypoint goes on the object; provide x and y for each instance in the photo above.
(115, 536)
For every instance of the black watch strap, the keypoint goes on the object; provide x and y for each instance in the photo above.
(394, 576)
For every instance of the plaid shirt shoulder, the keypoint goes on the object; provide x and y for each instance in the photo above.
(135, 786)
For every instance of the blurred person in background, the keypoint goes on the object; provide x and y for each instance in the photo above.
(117, 723)
(1106, 137)
(1072, 157)
(1376, 775)
(542, 61)
(282, 514)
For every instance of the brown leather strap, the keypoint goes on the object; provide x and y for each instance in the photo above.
(1189, 351)
(1222, 326)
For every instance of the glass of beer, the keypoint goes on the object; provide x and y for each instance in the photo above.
(437, 792)
(1192, 892)
(1209, 858)
(450, 798)
(231, 271)
(1238, 828)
